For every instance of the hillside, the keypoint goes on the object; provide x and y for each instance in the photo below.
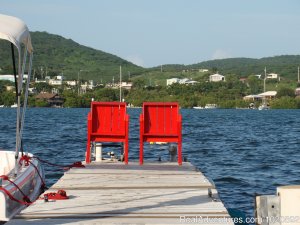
(56, 55)
(285, 65)
(60, 55)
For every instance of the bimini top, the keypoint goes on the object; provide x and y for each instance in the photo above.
(15, 31)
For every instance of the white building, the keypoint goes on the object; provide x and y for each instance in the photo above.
(58, 80)
(272, 76)
(7, 77)
(216, 78)
(180, 81)
(55, 82)
(71, 82)
(172, 81)
(268, 94)
(203, 70)
(86, 86)
(12, 77)
(258, 76)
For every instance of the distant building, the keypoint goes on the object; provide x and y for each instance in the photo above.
(7, 77)
(180, 81)
(58, 80)
(126, 85)
(272, 76)
(40, 81)
(55, 82)
(216, 78)
(87, 86)
(54, 100)
(12, 77)
(172, 81)
(71, 82)
(269, 94)
(258, 76)
(297, 91)
(203, 70)
(252, 97)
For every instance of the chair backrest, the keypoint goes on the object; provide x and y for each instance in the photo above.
(108, 117)
(161, 118)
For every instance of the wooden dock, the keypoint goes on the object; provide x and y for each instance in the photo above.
(114, 193)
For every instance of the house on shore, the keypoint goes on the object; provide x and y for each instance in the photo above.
(53, 99)
(272, 76)
(216, 78)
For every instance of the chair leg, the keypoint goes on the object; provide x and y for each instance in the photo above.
(126, 152)
(141, 151)
(88, 151)
(179, 153)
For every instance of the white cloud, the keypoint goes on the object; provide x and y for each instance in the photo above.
(135, 59)
(221, 54)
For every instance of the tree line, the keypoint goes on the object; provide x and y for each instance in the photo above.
(227, 94)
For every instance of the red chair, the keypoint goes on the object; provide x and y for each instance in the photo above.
(160, 122)
(107, 122)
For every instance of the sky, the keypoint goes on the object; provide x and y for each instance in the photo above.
(155, 32)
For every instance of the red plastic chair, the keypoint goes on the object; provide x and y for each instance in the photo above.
(107, 122)
(160, 122)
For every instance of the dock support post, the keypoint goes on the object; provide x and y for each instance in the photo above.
(98, 152)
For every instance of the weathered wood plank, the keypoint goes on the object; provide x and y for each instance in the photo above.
(79, 181)
(114, 193)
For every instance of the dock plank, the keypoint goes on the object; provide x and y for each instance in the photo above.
(114, 193)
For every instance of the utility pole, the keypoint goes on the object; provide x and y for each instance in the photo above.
(120, 83)
(78, 81)
(298, 75)
(265, 79)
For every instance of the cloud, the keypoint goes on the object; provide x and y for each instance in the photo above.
(221, 54)
(135, 59)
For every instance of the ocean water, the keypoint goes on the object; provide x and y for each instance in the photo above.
(245, 152)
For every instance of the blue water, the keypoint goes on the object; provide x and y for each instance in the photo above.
(243, 151)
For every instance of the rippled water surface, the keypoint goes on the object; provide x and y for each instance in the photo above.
(243, 151)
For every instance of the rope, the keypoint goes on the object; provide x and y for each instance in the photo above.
(26, 200)
(64, 167)
(13, 198)
(27, 161)
(59, 195)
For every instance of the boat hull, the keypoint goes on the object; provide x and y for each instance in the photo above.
(28, 180)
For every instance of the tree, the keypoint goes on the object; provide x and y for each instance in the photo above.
(139, 83)
(43, 87)
(7, 98)
(255, 84)
(285, 91)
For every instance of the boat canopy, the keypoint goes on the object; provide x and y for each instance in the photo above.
(15, 31)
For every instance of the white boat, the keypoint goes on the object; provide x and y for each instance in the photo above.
(264, 106)
(21, 182)
(198, 107)
(211, 106)
(29, 179)
(14, 105)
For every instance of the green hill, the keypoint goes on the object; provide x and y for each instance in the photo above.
(56, 55)
(285, 65)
